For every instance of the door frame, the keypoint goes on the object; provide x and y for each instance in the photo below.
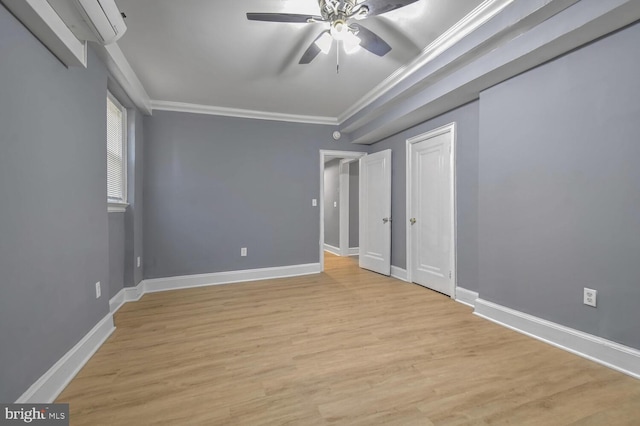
(324, 153)
(448, 128)
(345, 168)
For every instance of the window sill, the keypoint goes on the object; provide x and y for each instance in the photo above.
(116, 207)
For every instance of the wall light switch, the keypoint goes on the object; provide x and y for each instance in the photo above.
(98, 290)
(243, 251)
(314, 202)
(138, 261)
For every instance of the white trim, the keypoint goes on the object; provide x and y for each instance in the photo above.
(116, 207)
(240, 113)
(399, 273)
(47, 388)
(117, 301)
(354, 251)
(218, 278)
(45, 23)
(120, 69)
(466, 297)
(476, 18)
(324, 154)
(610, 354)
(133, 294)
(114, 204)
(127, 294)
(331, 249)
(448, 128)
(343, 192)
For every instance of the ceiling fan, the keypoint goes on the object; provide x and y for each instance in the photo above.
(340, 14)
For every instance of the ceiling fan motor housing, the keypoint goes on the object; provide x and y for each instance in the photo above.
(332, 10)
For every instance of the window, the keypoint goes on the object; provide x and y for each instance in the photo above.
(116, 155)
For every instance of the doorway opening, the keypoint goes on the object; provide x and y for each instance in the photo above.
(338, 203)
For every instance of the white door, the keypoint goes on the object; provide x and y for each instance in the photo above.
(430, 229)
(375, 212)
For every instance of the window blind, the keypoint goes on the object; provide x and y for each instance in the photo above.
(115, 152)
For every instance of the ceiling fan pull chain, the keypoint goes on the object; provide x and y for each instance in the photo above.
(338, 57)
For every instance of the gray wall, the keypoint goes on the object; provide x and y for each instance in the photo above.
(125, 229)
(215, 184)
(354, 203)
(133, 217)
(116, 253)
(466, 118)
(331, 196)
(53, 215)
(560, 189)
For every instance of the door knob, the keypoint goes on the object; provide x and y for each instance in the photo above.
(386, 219)
(412, 220)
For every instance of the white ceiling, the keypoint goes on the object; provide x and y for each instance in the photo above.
(206, 52)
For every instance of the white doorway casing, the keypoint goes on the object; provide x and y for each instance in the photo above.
(431, 256)
(375, 212)
(345, 207)
(347, 157)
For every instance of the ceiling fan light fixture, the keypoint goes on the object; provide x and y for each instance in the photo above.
(351, 43)
(339, 30)
(324, 43)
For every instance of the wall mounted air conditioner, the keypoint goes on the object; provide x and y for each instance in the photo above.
(103, 18)
(92, 20)
(64, 26)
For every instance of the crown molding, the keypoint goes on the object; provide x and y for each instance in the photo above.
(121, 71)
(241, 113)
(476, 18)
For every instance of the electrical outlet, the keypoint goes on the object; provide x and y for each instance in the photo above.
(138, 261)
(335, 204)
(243, 251)
(98, 291)
(590, 297)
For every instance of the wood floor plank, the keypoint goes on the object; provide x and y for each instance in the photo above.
(346, 346)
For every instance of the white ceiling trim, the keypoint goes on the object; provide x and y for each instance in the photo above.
(479, 16)
(241, 113)
(121, 71)
(43, 21)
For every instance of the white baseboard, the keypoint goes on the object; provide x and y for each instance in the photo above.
(47, 388)
(116, 301)
(613, 355)
(189, 281)
(399, 273)
(331, 249)
(127, 294)
(133, 294)
(467, 297)
(354, 251)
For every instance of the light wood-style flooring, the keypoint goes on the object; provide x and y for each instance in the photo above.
(346, 347)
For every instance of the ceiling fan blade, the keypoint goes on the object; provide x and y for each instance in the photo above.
(312, 51)
(283, 17)
(370, 41)
(378, 7)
